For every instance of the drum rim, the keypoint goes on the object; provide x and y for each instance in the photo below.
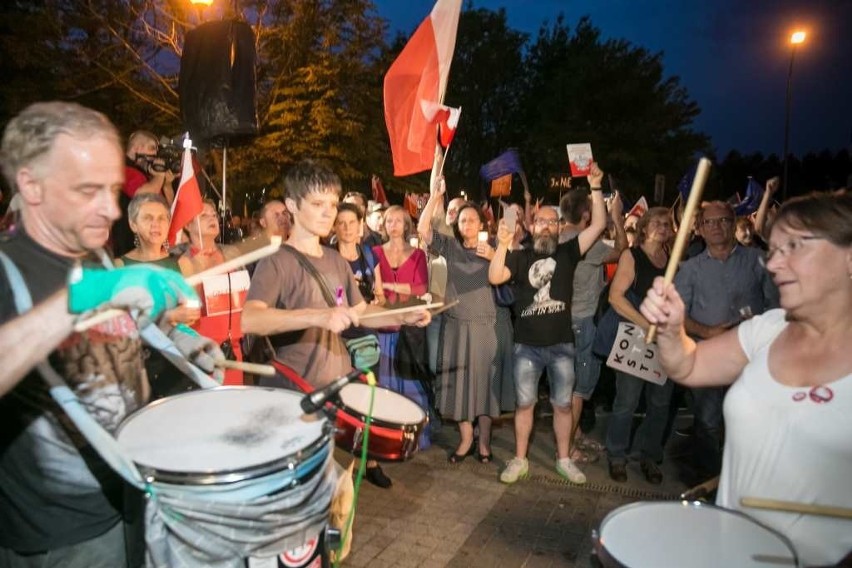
(382, 423)
(218, 477)
(601, 551)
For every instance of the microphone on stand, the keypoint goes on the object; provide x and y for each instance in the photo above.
(316, 400)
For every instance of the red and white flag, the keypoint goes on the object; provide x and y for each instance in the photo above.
(379, 195)
(639, 209)
(447, 119)
(418, 77)
(188, 203)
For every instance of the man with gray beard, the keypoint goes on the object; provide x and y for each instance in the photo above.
(543, 281)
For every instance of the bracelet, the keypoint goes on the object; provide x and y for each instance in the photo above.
(596, 188)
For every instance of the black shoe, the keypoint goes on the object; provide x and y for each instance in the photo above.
(458, 458)
(377, 477)
(618, 471)
(651, 471)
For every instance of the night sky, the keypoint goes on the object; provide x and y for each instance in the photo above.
(731, 55)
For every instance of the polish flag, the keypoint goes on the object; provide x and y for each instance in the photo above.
(379, 195)
(447, 119)
(188, 203)
(639, 209)
(418, 77)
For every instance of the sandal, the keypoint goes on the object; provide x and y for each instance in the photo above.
(581, 456)
(483, 458)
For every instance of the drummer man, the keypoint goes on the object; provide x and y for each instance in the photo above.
(60, 504)
(286, 303)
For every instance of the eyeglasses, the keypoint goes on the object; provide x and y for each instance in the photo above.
(546, 222)
(791, 247)
(718, 222)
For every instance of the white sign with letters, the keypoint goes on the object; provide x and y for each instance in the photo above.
(630, 354)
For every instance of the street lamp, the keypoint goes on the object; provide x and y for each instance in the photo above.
(795, 39)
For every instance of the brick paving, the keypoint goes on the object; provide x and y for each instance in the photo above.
(438, 514)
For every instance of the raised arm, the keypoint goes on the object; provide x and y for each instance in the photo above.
(436, 195)
(590, 234)
(760, 216)
(616, 213)
(497, 271)
(714, 362)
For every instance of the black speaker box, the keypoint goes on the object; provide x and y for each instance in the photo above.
(218, 98)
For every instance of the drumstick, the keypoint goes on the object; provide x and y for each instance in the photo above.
(683, 231)
(194, 280)
(253, 368)
(793, 507)
(404, 310)
(445, 307)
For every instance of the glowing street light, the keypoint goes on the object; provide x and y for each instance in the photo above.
(796, 38)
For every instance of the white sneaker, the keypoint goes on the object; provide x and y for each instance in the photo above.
(567, 469)
(515, 469)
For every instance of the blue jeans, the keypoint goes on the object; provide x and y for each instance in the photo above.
(707, 403)
(649, 437)
(530, 361)
(587, 367)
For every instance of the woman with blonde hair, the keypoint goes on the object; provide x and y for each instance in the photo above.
(403, 275)
(637, 268)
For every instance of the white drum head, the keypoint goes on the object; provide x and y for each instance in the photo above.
(690, 535)
(388, 406)
(220, 430)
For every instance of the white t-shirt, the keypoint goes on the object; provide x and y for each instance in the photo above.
(781, 443)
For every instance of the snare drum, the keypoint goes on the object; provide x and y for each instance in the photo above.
(688, 535)
(226, 443)
(395, 429)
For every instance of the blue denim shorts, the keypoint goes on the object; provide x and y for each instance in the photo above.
(530, 361)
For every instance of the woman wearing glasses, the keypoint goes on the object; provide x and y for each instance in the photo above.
(789, 409)
(475, 345)
(637, 268)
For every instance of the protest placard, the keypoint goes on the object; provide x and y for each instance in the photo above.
(580, 158)
(630, 354)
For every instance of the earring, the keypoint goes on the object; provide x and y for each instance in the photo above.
(136, 242)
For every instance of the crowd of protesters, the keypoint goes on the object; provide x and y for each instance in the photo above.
(758, 311)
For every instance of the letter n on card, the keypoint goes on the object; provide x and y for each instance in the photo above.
(630, 354)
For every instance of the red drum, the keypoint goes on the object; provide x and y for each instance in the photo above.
(395, 429)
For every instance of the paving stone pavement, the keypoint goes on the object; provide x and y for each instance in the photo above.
(438, 514)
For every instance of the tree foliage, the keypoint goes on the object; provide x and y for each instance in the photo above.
(319, 87)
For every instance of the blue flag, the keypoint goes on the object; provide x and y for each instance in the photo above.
(751, 201)
(506, 163)
(684, 186)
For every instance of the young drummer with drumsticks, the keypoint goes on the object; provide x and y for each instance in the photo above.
(286, 303)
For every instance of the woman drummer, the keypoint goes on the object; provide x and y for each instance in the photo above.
(788, 413)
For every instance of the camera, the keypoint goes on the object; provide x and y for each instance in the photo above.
(167, 158)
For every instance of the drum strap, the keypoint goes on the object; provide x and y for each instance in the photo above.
(94, 433)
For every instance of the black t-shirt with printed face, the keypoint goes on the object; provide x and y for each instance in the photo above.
(543, 287)
(54, 490)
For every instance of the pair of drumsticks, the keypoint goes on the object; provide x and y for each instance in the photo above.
(227, 266)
